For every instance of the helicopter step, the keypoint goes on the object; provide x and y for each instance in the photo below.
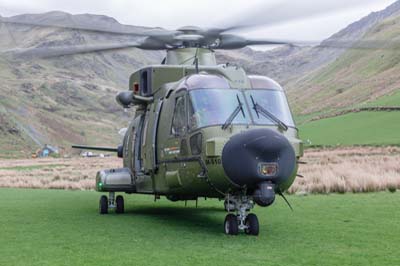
(248, 222)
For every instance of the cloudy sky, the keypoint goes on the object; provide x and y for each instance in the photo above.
(174, 13)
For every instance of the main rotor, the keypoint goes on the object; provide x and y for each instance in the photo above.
(197, 42)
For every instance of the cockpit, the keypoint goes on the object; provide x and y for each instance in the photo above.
(211, 102)
(210, 107)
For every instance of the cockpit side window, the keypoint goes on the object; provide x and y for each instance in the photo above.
(179, 120)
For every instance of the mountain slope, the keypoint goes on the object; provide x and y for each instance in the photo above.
(64, 100)
(357, 77)
(288, 64)
(71, 99)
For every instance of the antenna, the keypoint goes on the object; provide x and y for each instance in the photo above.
(196, 61)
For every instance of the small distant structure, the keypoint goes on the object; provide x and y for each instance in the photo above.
(88, 154)
(47, 151)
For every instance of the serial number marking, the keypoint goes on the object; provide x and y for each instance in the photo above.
(213, 161)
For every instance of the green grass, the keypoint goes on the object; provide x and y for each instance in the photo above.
(387, 100)
(364, 128)
(49, 227)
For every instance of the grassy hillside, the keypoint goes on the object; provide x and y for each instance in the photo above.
(64, 228)
(364, 128)
(70, 99)
(63, 100)
(391, 99)
(359, 76)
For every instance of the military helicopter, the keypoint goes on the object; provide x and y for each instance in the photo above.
(200, 129)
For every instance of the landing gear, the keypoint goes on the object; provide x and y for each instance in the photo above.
(111, 203)
(120, 204)
(252, 225)
(229, 205)
(103, 205)
(231, 224)
(242, 220)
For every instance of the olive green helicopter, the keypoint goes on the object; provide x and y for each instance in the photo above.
(200, 129)
(204, 130)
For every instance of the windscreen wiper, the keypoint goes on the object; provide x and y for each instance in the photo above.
(261, 110)
(234, 114)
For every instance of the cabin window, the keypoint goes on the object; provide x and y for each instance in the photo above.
(196, 142)
(145, 82)
(179, 125)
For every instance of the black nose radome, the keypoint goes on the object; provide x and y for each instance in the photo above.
(258, 155)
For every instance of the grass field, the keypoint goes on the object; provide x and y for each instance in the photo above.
(55, 227)
(364, 128)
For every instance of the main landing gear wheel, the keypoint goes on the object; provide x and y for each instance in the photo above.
(231, 224)
(103, 205)
(120, 204)
(252, 225)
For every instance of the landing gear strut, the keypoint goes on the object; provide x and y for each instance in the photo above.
(242, 220)
(111, 203)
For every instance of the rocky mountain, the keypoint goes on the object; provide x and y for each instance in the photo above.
(70, 99)
(351, 78)
(288, 63)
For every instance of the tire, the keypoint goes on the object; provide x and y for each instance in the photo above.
(120, 204)
(103, 205)
(231, 225)
(252, 225)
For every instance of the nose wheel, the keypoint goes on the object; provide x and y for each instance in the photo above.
(111, 203)
(231, 224)
(248, 222)
(252, 225)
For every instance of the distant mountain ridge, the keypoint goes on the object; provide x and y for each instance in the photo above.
(288, 63)
(71, 99)
(64, 100)
(354, 77)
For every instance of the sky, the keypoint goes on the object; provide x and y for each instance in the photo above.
(172, 14)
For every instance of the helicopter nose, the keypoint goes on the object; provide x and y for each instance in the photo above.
(258, 156)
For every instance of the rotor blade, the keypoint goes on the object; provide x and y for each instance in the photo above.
(94, 148)
(70, 24)
(49, 52)
(231, 41)
(287, 10)
(393, 44)
(338, 44)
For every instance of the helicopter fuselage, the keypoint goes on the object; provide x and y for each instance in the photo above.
(205, 131)
(184, 161)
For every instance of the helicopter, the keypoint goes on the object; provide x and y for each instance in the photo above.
(200, 129)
